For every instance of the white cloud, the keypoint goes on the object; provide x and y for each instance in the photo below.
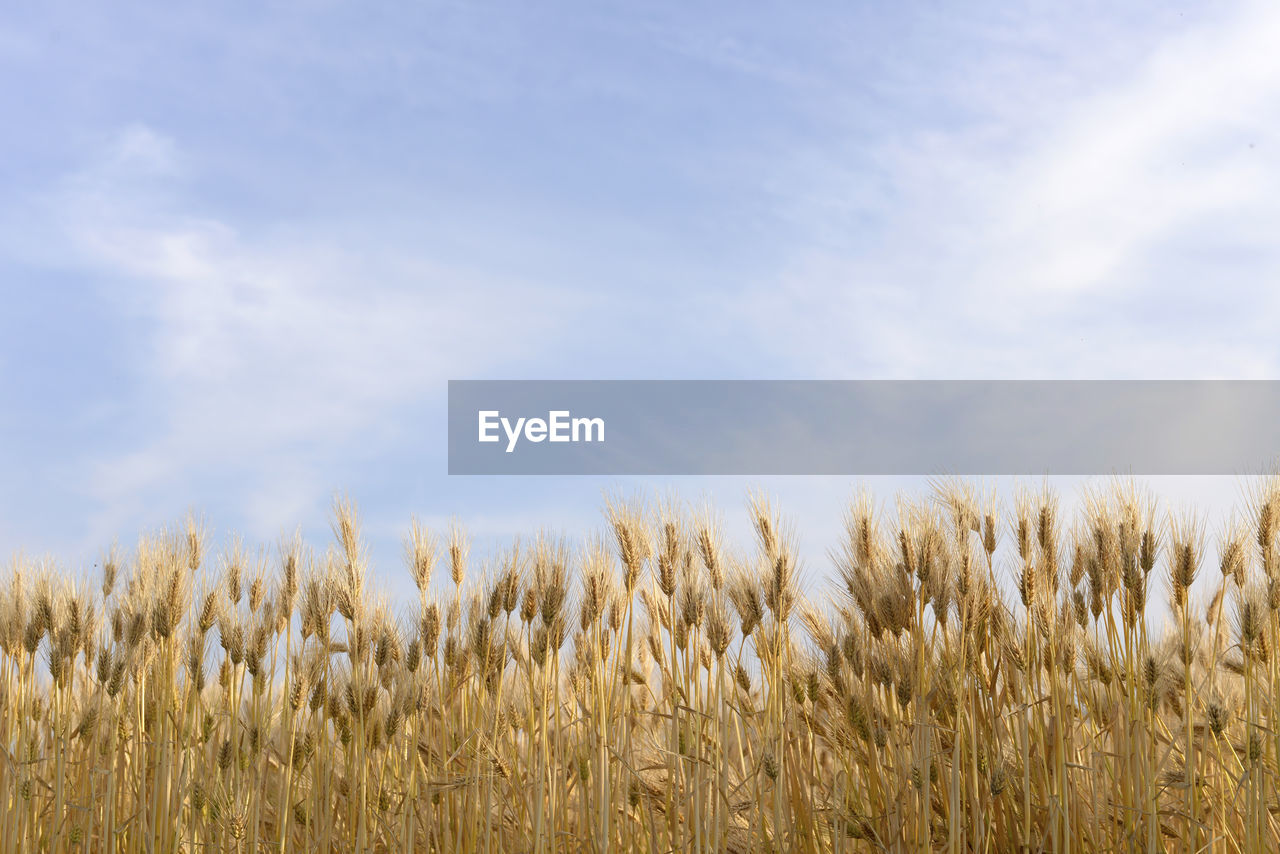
(270, 356)
(1070, 238)
(138, 148)
(1171, 148)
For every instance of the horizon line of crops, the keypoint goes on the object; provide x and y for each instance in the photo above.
(657, 690)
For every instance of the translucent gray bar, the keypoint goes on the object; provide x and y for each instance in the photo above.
(866, 427)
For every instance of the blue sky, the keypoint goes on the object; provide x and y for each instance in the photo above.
(243, 248)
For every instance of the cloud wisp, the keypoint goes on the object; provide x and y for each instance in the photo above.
(1120, 229)
(271, 356)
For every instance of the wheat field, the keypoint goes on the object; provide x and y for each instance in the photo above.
(970, 676)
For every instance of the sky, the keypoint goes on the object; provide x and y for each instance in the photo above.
(243, 247)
